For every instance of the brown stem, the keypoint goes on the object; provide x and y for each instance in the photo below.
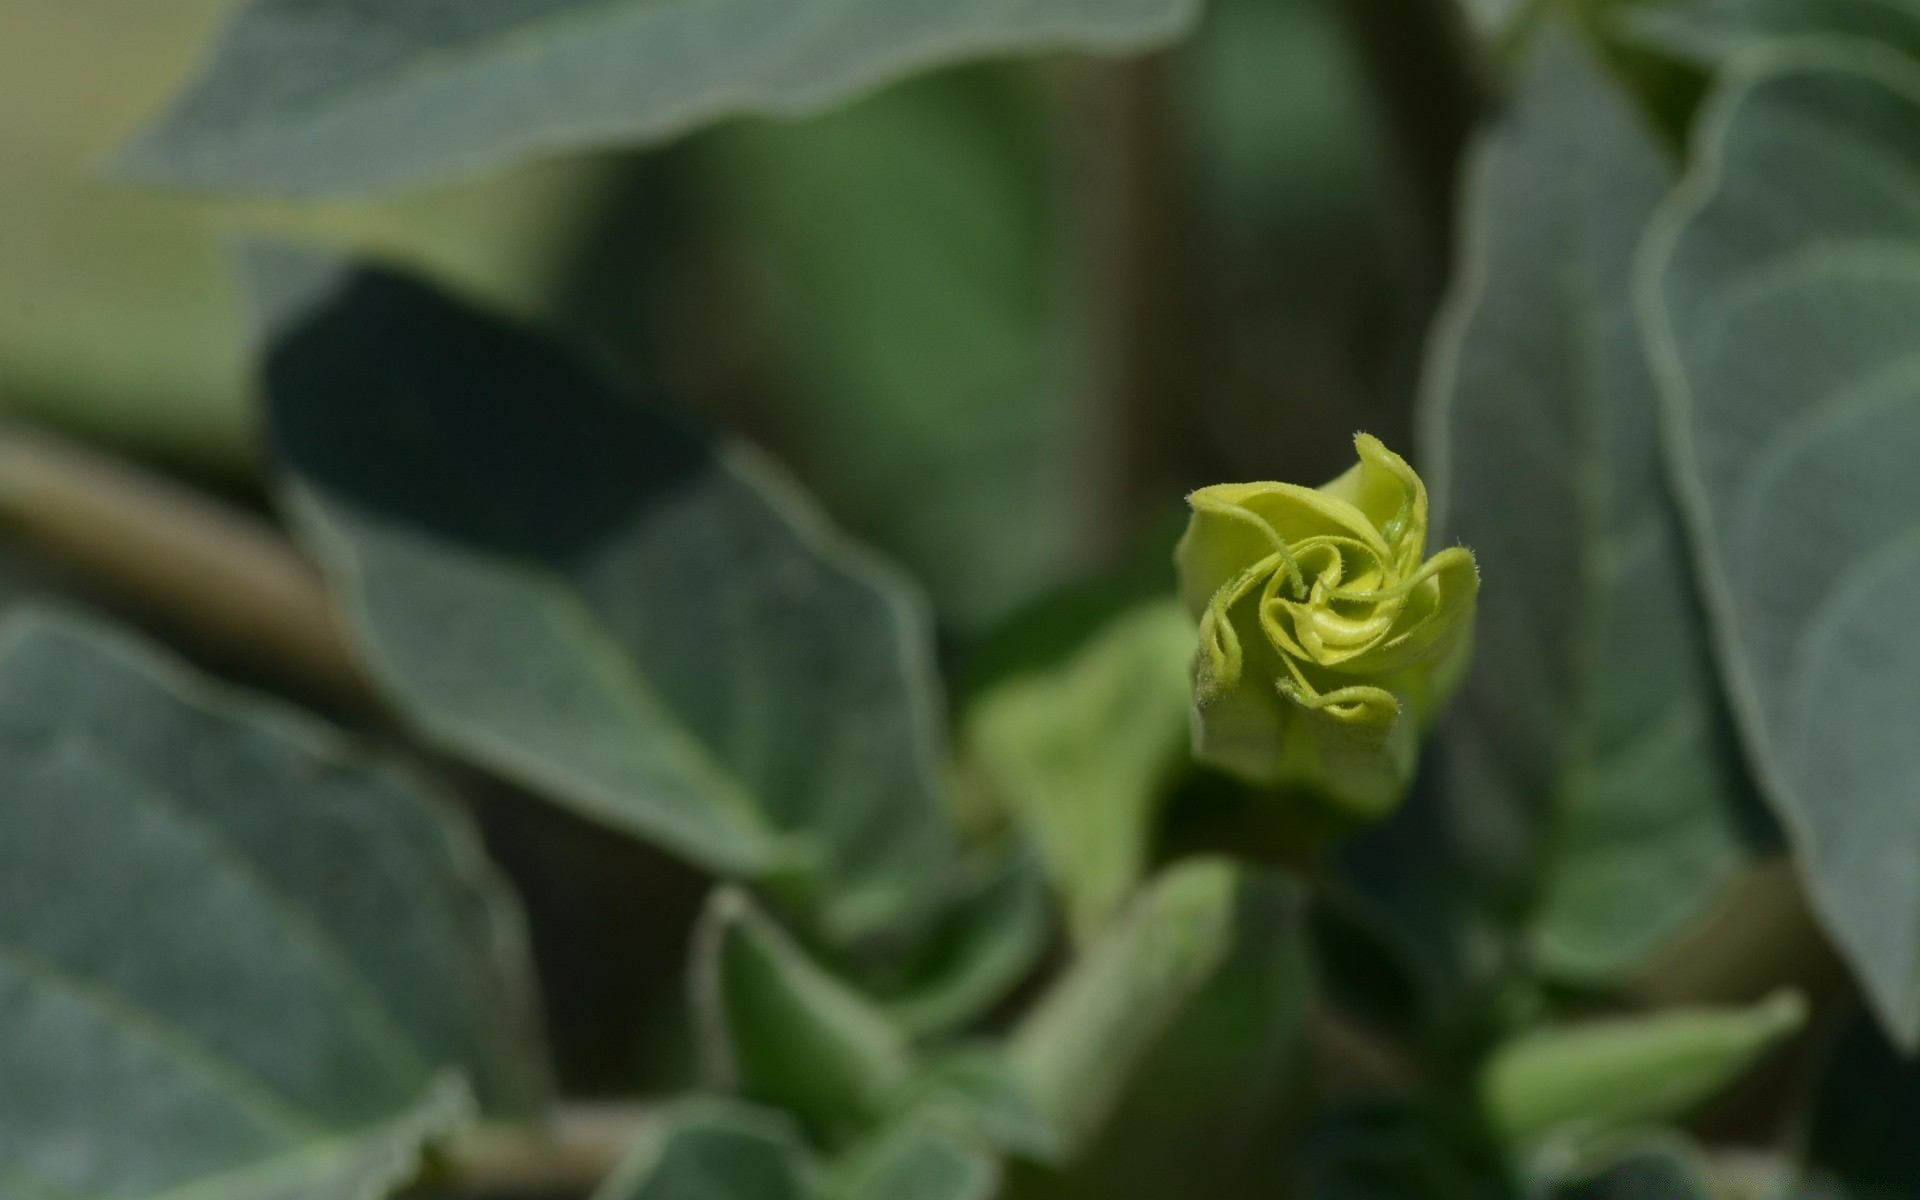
(225, 578)
(1126, 190)
(571, 1153)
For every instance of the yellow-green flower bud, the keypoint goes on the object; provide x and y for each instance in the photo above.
(1327, 637)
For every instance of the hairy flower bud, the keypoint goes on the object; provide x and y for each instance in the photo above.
(1327, 637)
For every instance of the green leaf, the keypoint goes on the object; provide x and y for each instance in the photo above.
(912, 269)
(914, 1161)
(1710, 32)
(776, 1027)
(332, 95)
(708, 1149)
(1658, 1167)
(232, 957)
(1863, 1133)
(983, 945)
(1082, 752)
(1592, 705)
(975, 1088)
(1076, 1050)
(1211, 1105)
(581, 594)
(1586, 1079)
(1168, 1046)
(1780, 297)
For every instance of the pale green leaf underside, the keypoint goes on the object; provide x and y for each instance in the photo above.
(1592, 702)
(1080, 753)
(1627, 1071)
(1710, 32)
(1780, 293)
(339, 95)
(587, 597)
(232, 962)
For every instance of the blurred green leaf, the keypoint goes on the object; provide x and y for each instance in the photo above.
(1709, 32)
(777, 1028)
(708, 1149)
(120, 314)
(1167, 1052)
(1863, 1129)
(974, 1088)
(997, 927)
(1653, 1167)
(1077, 1048)
(1780, 296)
(1592, 703)
(909, 262)
(1392, 1150)
(334, 96)
(581, 594)
(1586, 1079)
(914, 1161)
(1081, 753)
(232, 957)
(1211, 1104)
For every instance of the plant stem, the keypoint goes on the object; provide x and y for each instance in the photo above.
(571, 1153)
(227, 579)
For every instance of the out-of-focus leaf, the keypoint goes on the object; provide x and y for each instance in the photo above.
(1389, 1150)
(1709, 32)
(706, 1149)
(777, 1028)
(1659, 1167)
(975, 1089)
(1081, 753)
(1211, 1106)
(1863, 1135)
(1168, 1046)
(914, 1161)
(909, 263)
(231, 957)
(120, 316)
(1780, 296)
(977, 951)
(1592, 704)
(1076, 1050)
(1585, 1079)
(304, 96)
(581, 594)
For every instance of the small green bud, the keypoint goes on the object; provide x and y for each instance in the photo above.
(1328, 639)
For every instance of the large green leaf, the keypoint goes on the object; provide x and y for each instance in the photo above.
(1592, 702)
(303, 95)
(150, 276)
(911, 261)
(1781, 302)
(1081, 753)
(1711, 31)
(581, 594)
(232, 958)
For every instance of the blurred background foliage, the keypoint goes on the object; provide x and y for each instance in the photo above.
(998, 317)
